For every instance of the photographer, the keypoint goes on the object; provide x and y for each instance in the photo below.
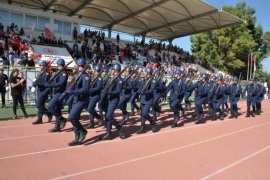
(17, 85)
(3, 85)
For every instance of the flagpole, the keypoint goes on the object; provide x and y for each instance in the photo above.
(248, 66)
(251, 64)
(255, 67)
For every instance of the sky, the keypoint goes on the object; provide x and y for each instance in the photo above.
(262, 11)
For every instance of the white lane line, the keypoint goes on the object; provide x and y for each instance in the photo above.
(160, 132)
(159, 153)
(235, 163)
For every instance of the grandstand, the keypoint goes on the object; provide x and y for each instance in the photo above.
(42, 30)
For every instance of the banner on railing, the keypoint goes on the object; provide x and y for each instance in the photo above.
(49, 53)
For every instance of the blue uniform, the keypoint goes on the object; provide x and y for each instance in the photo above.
(158, 93)
(252, 91)
(260, 96)
(218, 98)
(234, 91)
(58, 87)
(135, 94)
(94, 97)
(147, 98)
(201, 95)
(42, 94)
(188, 93)
(80, 93)
(113, 100)
(178, 88)
(210, 97)
(103, 100)
(125, 96)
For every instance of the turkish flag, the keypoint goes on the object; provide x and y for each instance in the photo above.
(48, 33)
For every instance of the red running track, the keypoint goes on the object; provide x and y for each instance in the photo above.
(229, 149)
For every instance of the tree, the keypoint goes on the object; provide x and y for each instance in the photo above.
(228, 48)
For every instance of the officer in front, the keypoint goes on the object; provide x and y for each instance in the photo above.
(58, 86)
(42, 96)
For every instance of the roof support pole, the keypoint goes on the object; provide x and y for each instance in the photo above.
(170, 41)
(109, 33)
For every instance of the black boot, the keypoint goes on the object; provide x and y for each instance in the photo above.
(75, 141)
(201, 119)
(121, 132)
(56, 128)
(83, 133)
(248, 114)
(198, 119)
(141, 130)
(107, 136)
(63, 123)
(49, 115)
(154, 126)
(176, 118)
(38, 121)
(91, 124)
(125, 119)
(252, 113)
(222, 116)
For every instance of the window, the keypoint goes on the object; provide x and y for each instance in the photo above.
(17, 19)
(43, 23)
(4, 17)
(67, 28)
(58, 26)
(31, 21)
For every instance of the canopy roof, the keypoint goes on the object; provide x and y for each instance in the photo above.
(161, 19)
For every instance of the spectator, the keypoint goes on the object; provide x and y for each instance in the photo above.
(75, 34)
(21, 33)
(16, 85)
(3, 85)
(5, 60)
(31, 63)
(118, 38)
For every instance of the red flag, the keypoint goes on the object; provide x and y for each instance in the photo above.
(251, 59)
(48, 33)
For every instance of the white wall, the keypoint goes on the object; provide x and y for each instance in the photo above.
(52, 16)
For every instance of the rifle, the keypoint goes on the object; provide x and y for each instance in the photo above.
(131, 74)
(146, 85)
(95, 80)
(42, 72)
(58, 73)
(240, 78)
(136, 78)
(71, 85)
(115, 78)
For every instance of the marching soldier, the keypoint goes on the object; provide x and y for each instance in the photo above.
(178, 87)
(260, 96)
(158, 93)
(135, 94)
(125, 95)
(103, 100)
(80, 93)
(234, 91)
(147, 97)
(113, 100)
(251, 97)
(218, 98)
(188, 92)
(94, 91)
(202, 87)
(58, 86)
(41, 93)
